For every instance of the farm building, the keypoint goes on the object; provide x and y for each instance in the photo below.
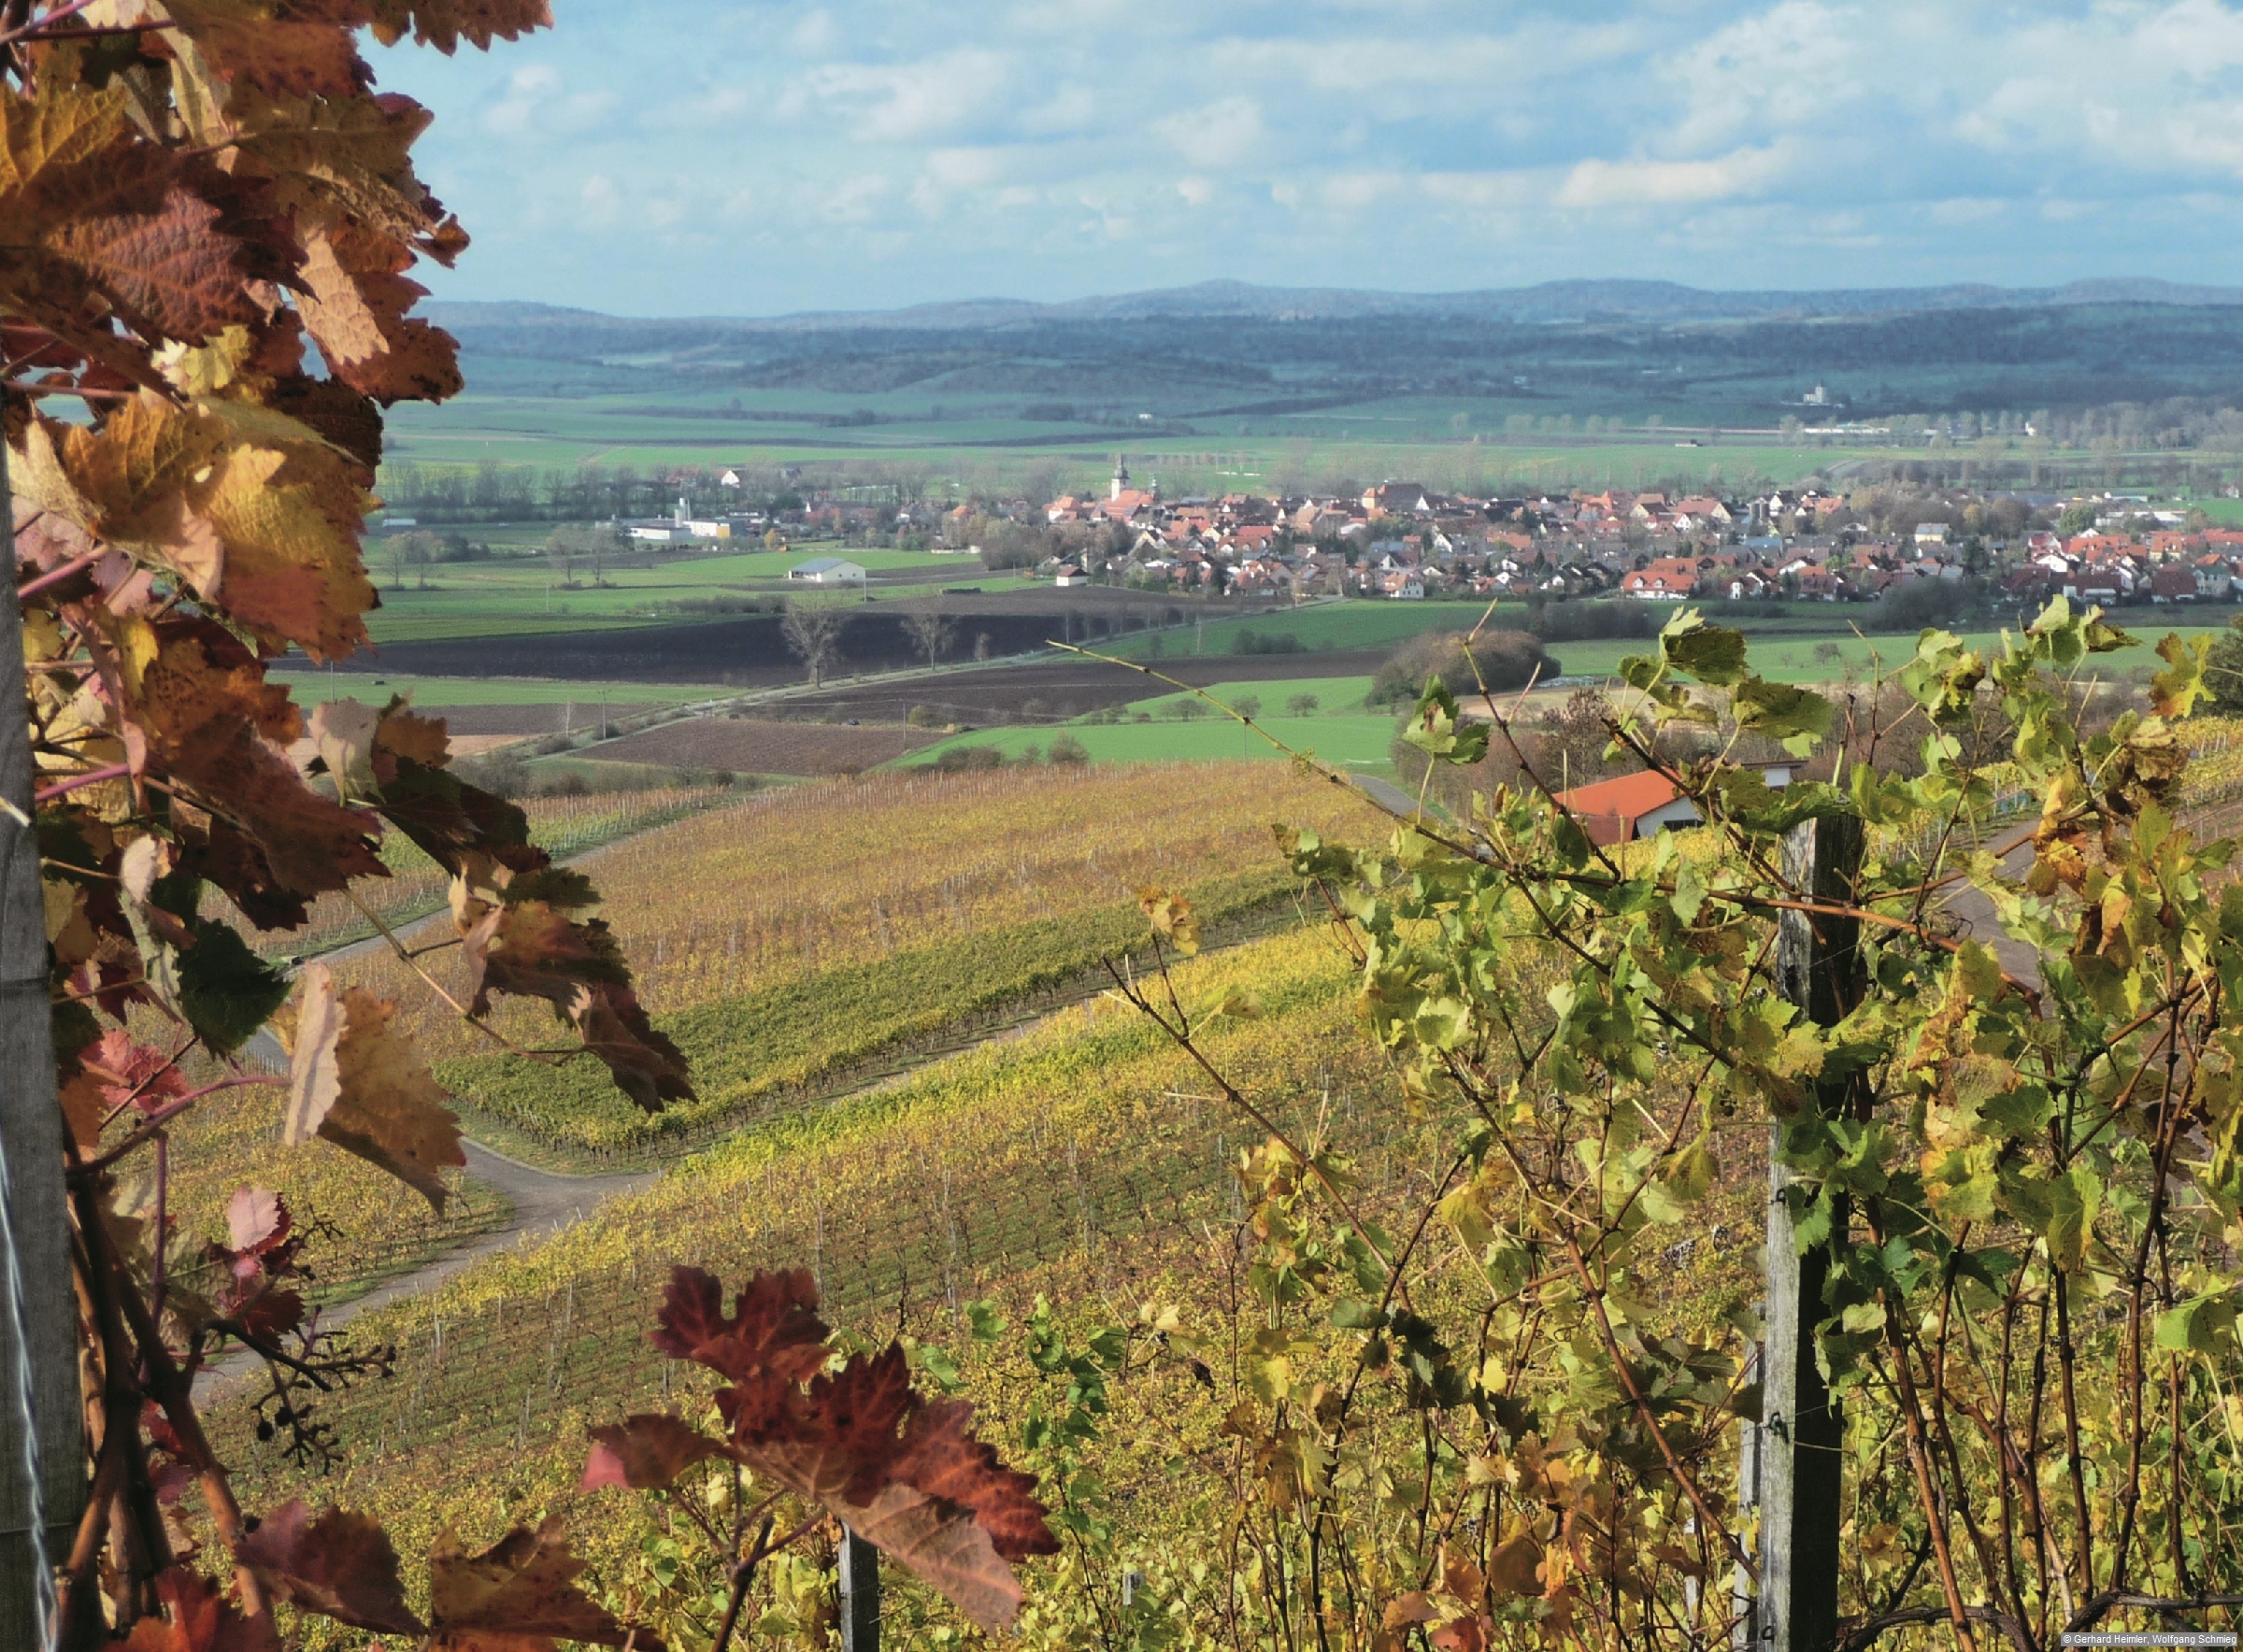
(827, 570)
(1637, 805)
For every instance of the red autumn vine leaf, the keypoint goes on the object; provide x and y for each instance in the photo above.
(902, 1471)
(341, 1565)
(646, 1453)
(774, 1327)
(133, 1074)
(519, 1595)
(197, 1617)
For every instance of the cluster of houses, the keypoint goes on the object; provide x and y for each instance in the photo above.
(1404, 541)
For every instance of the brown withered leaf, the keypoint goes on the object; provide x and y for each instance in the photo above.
(168, 243)
(260, 525)
(647, 1065)
(311, 843)
(905, 1474)
(341, 1565)
(839, 1443)
(444, 23)
(1513, 1569)
(246, 46)
(1172, 916)
(531, 949)
(197, 1619)
(455, 824)
(645, 1452)
(354, 302)
(941, 1457)
(774, 1330)
(519, 1595)
(364, 1088)
(404, 732)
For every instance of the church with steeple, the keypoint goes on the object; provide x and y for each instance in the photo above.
(1123, 501)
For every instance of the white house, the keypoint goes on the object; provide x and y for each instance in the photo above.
(827, 570)
(662, 533)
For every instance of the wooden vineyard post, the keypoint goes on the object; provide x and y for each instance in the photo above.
(1796, 1453)
(42, 1451)
(860, 1594)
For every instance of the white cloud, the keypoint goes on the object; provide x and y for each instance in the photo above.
(536, 104)
(815, 34)
(903, 103)
(851, 200)
(1669, 183)
(602, 200)
(1196, 191)
(1220, 134)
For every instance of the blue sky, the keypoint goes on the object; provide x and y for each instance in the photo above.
(655, 157)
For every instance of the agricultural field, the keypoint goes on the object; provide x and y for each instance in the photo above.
(531, 594)
(1352, 739)
(751, 747)
(448, 694)
(798, 935)
(563, 826)
(1316, 627)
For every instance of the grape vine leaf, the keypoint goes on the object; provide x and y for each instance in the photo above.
(444, 23)
(646, 1452)
(341, 1565)
(903, 1472)
(364, 1088)
(774, 1327)
(519, 1595)
(198, 1618)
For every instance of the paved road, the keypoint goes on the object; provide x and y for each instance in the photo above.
(542, 1202)
(1975, 912)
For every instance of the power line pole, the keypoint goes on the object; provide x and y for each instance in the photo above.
(1794, 1452)
(42, 1450)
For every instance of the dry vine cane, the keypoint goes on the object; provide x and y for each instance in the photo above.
(2034, 1194)
(192, 197)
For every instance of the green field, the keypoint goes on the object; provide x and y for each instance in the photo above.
(1352, 740)
(529, 594)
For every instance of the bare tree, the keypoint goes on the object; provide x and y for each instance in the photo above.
(597, 542)
(930, 630)
(813, 635)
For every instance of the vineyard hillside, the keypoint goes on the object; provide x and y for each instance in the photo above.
(793, 938)
(790, 938)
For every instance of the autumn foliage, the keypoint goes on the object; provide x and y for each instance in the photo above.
(208, 218)
(903, 1472)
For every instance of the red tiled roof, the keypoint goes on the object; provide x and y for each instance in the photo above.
(1608, 810)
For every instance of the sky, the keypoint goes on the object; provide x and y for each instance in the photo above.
(666, 157)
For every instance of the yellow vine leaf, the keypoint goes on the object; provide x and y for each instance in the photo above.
(364, 1088)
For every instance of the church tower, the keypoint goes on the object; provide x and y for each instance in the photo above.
(1120, 478)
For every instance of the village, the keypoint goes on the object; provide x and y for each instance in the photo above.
(1403, 541)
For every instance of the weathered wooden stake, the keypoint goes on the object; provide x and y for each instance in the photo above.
(860, 1594)
(42, 1450)
(1797, 1452)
